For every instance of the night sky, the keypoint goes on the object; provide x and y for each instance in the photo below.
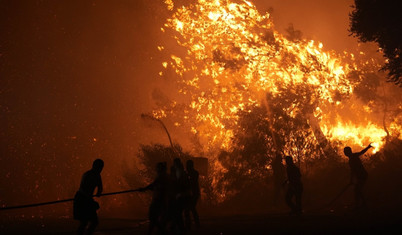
(76, 75)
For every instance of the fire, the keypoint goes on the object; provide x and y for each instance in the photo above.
(357, 135)
(230, 56)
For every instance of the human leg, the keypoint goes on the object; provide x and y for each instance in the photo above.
(93, 223)
(82, 227)
(289, 200)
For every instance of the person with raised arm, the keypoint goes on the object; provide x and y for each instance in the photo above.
(358, 175)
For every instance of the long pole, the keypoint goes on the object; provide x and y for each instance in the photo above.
(269, 114)
(339, 194)
(61, 201)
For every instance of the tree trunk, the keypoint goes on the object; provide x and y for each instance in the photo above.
(327, 149)
(384, 117)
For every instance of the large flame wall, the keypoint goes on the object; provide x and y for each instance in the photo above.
(231, 55)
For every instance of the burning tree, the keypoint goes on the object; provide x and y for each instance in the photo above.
(235, 69)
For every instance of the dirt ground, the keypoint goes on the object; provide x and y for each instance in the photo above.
(335, 222)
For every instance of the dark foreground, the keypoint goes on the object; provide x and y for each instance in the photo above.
(309, 223)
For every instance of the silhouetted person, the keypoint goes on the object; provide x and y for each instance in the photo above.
(279, 175)
(295, 187)
(181, 194)
(158, 208)
(172, 204)
(85, 206)
(194, 187)
(358, 175)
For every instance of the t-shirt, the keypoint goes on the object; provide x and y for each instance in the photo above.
(90, 180)
(356, 166)
(294, 175)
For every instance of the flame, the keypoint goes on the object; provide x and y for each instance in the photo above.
(356, 135)
(231, 56)
(227, 51)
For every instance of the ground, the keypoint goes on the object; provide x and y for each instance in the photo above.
(342, 222)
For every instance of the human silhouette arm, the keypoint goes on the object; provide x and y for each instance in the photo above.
(365, 150)
(148, 187)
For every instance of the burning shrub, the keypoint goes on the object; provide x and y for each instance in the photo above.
(150, 155)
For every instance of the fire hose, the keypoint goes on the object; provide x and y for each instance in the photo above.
(339, 194)
(64, 200)
(105, 194)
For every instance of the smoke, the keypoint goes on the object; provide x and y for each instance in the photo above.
(75, 78)
(324, 21)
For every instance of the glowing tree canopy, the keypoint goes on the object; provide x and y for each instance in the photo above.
(229, 56)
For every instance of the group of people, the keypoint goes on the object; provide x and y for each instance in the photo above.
(293, 196)
(175, 194)
(175, 197)
(174, 200)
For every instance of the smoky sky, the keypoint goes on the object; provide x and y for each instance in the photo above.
(76, 75)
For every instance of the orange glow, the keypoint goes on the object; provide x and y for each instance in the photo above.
(231, 56)
(356, 135)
